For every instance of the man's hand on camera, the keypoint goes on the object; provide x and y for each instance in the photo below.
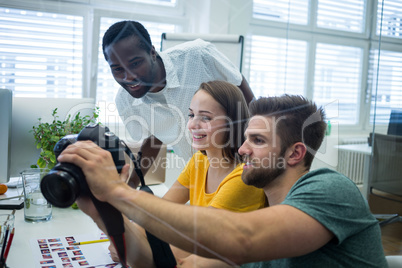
(98, 167)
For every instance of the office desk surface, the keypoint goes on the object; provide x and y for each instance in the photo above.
(65, 222)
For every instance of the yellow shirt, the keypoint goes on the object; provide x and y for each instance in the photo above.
(232, 193)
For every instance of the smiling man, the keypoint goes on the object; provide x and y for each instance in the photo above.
(315, 219)
(157, 87)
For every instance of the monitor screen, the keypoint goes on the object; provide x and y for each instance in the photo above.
(5, 133)
(25, 114)
(395, 123)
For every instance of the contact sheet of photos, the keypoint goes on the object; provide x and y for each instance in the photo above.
(60, 252)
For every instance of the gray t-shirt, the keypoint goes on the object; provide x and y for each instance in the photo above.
(336, 202)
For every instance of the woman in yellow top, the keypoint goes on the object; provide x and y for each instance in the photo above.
(217, 117)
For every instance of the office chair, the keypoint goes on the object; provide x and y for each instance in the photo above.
(386, 172)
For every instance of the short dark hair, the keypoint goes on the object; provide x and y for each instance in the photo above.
(124, 29)
(301, 121)
(233, 103)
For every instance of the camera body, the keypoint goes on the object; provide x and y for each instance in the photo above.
(66, 182)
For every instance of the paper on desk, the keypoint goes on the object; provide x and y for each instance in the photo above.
(18, 193)
(55, 252)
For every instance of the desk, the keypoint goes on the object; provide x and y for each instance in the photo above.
(65, 222)
(354, 166)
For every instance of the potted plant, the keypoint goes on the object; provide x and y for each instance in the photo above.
(48, 134)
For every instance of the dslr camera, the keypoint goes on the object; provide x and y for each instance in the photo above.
(66, 182)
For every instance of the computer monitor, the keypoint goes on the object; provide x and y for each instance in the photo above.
(5, 133)
(395, 123)
(25, 114)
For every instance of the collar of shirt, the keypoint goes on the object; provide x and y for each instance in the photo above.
(172, 82)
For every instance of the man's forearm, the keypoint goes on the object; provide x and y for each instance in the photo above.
(182, 229)
(149, 149)
(139, 252)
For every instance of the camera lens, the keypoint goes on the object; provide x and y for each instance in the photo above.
(60, 188)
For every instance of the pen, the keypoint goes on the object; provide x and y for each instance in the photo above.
(12, 197)
(4, 246)
(10, 240)
(90, 242)
(4, 240)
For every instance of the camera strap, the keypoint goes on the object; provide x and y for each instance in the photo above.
(161, 252)
(114, 223)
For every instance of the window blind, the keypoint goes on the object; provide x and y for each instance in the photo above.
(392, 18)
(344, 15)
(388, 95)
(338, 68)
(277, 66)
(295, 11)
(156, 2)
(337, 77)
(41, 53)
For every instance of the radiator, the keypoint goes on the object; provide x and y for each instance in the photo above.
(351, 164)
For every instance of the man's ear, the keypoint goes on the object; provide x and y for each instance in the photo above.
(153, 53)
(296, 153)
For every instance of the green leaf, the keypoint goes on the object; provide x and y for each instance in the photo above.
(55, 138)
(51, 165)
(53, 159)
(41, 163)
(48, 153)
(46, 134)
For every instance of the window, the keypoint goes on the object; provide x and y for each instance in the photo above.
(385, 67)
(391, 15)
(41, 53)
(388, 68)
(45, 48)
(282, 10)
(337, 76)
(157, 2)
(335, 61)
(342, 15)
(277, 65)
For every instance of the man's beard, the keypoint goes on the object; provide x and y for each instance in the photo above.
(262, 176)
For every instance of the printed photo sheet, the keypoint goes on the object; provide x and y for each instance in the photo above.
(58, 252)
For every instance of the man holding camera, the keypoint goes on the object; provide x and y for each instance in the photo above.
(315, 218)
